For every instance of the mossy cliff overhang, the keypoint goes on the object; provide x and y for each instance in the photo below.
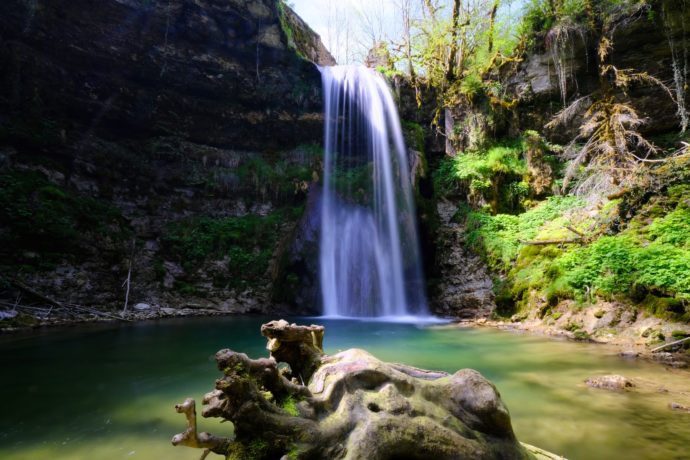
(220, 73)
(641, 42)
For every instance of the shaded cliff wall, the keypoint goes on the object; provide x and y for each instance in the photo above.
(178, 137)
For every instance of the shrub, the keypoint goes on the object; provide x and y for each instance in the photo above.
(247, 241)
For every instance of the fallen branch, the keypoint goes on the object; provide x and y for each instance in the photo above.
(666, 345)
(548, 242)
(128, 281)
(191, 438)
(577, 232)
(33, 292)
(98, 312)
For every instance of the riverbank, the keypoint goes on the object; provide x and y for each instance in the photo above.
(632, 334)
(23, 322)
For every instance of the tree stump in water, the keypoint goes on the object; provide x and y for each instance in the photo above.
(353, 406)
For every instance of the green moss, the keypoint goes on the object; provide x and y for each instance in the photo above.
(499, 238)
(185, 288)
(414, 135)
(257, 449)
(572, 327)
(37, 215)
(247, 242)
(296, 37)
(648, 261)
(678, 335)
(581, 335)
(289, 405)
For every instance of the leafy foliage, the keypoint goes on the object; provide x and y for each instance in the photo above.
(38, 215)
(498, 238)
(247, 242)
(648, 262)
(494, 175)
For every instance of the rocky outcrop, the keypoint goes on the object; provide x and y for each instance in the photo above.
(215, 73)
(352, 406)
(175, 140)
(557, 72)
(303, 38)
(465, 289)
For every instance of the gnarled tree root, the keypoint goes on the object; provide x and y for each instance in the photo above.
(355, 407)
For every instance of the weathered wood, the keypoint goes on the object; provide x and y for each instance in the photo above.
(301, 347)
(191, 438)
(34, 292)
(575, 231)
(619, 194)
(548, 242)
(670, 344)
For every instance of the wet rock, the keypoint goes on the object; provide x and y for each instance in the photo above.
(163, 113)
(629, 354)
(142, 307)
(610, 382)
(679, 407)
(465, 289)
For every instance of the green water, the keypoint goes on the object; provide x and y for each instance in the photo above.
(107, 392)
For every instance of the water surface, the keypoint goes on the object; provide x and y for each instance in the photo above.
(107, 391)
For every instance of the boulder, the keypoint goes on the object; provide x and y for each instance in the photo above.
(610, 382)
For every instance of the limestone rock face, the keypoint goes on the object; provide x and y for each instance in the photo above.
(161, 111)
(353, 406)
(219, 73)
(465, 289)
(642, 43)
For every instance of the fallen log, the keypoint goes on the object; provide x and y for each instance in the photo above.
(670, 344)
(29, 290)
(548, 242)
(351, 406)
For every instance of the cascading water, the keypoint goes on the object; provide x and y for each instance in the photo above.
(369, 259)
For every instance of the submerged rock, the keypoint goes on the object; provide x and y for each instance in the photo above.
(679, 407)
(610, 382)
(348, 406)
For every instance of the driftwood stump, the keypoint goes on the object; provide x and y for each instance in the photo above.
(347, 406)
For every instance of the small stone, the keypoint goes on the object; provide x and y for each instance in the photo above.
(142, 307)
(629, 354)
(168, 311)
(678, 407)
(610, 382)
(9, 314)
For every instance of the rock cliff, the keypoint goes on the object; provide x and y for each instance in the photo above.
(172, 141)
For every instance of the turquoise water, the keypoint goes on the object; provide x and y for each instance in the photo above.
(108, 391)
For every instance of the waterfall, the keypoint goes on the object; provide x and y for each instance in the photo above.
(369, 251)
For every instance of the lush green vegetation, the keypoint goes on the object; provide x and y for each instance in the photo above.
(494, 176)
(647, 263)
(39, 216)
(282, 178)
(246, 244)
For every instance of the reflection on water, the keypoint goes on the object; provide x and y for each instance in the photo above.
(107, 392)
